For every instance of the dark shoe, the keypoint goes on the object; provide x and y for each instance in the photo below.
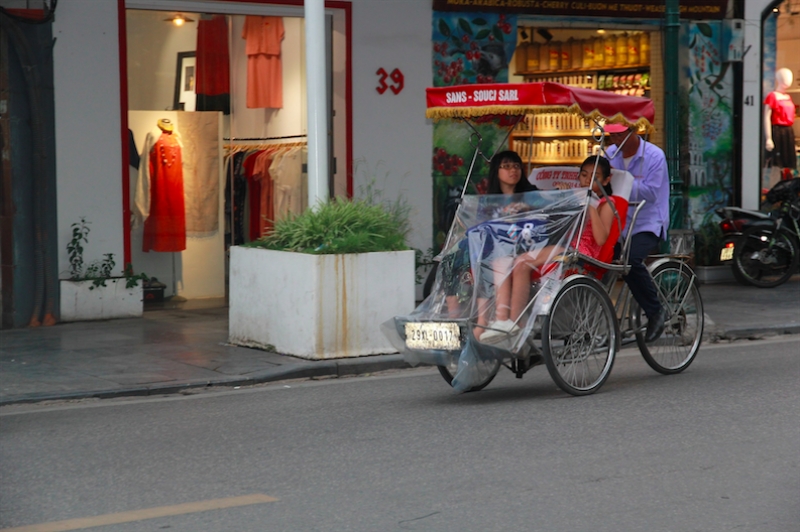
(655, 327)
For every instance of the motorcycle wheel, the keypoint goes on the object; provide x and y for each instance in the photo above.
(764, 258)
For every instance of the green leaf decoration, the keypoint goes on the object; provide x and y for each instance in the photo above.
(464, 25)
(498, 35)
(705, 29)
(482, 34)
(479, 22)
(444, 29)
(468, 73)
(694, 41)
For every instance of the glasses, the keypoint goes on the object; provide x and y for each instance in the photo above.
(511, 166)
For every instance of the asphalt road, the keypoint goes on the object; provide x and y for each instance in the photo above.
(716, 448)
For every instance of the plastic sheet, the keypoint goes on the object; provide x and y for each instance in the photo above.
(469, 313)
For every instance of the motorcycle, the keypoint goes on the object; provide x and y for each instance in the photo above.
(763, 249)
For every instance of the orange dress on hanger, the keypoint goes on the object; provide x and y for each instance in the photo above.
(165, 227)
(264, 68)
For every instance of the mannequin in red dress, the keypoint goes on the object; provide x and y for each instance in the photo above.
(165, 227)
(779, 113)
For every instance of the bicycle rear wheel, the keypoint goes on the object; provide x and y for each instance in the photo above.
(676, 285)
(580, 337)
(765, 258)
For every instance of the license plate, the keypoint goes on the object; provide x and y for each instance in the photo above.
(726, 254)
(433, 335)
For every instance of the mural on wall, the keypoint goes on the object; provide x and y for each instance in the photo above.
(468, 48)
(707, 120)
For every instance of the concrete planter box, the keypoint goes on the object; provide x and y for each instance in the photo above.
(317, 306)
(714, 274)
(115, 300)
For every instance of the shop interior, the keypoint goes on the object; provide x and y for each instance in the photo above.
(620, 59)
(217, 141)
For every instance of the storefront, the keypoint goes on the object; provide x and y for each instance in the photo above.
(616, 47)
(781, 68)
(217, 118)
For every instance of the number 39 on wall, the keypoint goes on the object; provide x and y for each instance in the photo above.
(396, 76)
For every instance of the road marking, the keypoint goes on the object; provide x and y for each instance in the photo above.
(148, 513)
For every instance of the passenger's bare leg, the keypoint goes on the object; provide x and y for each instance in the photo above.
(521, 288)
(502, 283)
(482, 319)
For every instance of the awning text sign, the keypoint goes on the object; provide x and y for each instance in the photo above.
(692, 9)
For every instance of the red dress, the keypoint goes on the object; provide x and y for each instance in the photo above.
(165, 227)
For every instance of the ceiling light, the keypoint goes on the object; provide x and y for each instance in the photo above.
(178, 19)
(601, 31)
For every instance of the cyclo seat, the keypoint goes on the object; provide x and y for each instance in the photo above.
(621, 185)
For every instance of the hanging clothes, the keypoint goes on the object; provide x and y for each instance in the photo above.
(261, 173)
(212, 64)
(286, 171)
(235, 195)
(163, 209)
(263, 37)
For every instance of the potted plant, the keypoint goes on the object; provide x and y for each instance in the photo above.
(708, 242)
(92, 292)
(321, 283)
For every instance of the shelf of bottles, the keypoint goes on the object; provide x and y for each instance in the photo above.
(617, 63)
(550, 138)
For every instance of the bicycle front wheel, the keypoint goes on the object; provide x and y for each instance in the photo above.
(676, 285)
(490, 369)
(580, 337)
(765, 258)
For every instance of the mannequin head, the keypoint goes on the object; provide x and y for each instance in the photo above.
(165, 125)
(783, 79)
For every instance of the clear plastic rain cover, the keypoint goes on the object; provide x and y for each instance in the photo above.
(498, 272)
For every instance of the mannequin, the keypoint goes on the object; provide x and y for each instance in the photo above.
(165, 125)
(159, 200)
(779, 115)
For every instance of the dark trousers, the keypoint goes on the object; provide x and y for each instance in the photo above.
(639, 281)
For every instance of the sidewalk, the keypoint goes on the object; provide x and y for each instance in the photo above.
(167, 351)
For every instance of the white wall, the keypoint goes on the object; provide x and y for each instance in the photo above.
(392, 140)
(153, 47)
(88, 139)
(752, 129)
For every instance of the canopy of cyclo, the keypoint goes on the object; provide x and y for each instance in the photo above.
(515, 99)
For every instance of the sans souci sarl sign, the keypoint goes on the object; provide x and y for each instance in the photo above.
(690, 9)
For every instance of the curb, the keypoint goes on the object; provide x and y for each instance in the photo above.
(325, 368)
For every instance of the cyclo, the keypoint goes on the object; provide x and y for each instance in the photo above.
(578, 312)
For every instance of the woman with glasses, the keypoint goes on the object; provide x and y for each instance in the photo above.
(505, 177)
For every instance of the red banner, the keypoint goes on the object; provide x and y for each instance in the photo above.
(689, 9)
(545, 97)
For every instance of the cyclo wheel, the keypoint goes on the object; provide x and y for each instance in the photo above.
(580, 336)
(449, 371)
(676, 285)
(764, 258)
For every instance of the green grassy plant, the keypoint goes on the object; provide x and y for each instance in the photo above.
(341, 226)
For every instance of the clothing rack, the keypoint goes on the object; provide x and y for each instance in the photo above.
(235, 139)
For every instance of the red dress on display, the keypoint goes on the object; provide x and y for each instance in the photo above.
(165, 227)
(264, 69)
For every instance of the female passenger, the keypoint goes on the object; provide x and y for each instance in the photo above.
(513, 291)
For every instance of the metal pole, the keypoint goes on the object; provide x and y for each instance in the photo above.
(671, 113)
(317, 105)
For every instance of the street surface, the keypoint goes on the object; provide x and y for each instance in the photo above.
(716, 448)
